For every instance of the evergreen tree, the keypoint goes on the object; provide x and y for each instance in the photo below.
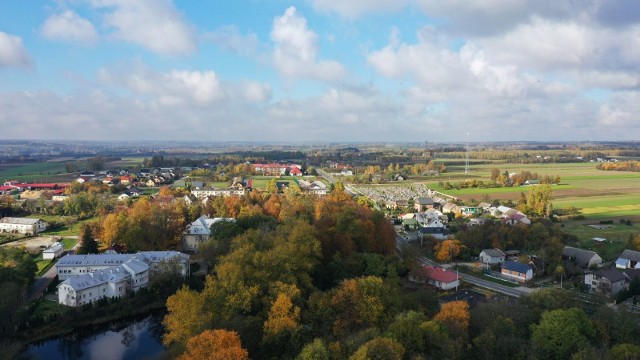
(89, 245)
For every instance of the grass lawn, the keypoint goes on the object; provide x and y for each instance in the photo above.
(64, 230)
(616, 236)
(260, 182)
(68, 243)
(43, 266)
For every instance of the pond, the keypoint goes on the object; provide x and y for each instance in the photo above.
(133, 339)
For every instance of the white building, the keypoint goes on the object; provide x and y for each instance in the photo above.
(53, 251)
(203, 193)
(492, 256)
(88, 278)
(317, 187)
(25, 226)
(199, 231)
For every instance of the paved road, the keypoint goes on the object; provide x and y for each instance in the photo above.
(506, 290)
(40, 285)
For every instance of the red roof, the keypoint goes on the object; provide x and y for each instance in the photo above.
(42, 186)
(6, 188)
(295, 171)
(442, 275)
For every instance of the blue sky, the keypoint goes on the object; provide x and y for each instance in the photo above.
(320, 70)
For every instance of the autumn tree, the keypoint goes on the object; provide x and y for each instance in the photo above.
(358, 303)
(448, 250)
(273, 205)
(186, 317)
(537, 201)
(455, 315)
(379, 348)
(283, 316)
(215, 345)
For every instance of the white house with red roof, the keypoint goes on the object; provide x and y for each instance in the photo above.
(441, 278)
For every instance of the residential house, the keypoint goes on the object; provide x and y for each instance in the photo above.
(492, 256)
(53, 251)
(27, 226)
(423, 203)
(346, 172)
(516, 218)
(583, 258)
(608, 282)
(440, 278)
(199, 231)
(317, 187)
(532, 182)
(295, 171)
(517, 271)
(629, 259)
(126, 180)
(450, 208)
(189, 199)
(484, 206)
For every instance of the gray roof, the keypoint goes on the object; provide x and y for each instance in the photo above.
(494, 252)
(117, 259)
(425, 201)
(19, 221)
(202, 225)
(612, 274)
(96, 278)
(56, 246)
(582, 257)
(516, 266)
(631, 255)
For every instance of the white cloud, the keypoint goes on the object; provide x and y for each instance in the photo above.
(153, 24)
(12, 52)
(296, 50)
(69, 26)
(255, 91)
(355, 8)
(174, 88)
(230, 38)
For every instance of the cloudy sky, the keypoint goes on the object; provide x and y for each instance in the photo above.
(320, 70)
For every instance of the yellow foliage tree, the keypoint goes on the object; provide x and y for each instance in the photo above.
(215, 345)
(283, 316)
(455, 313)
(185, 316)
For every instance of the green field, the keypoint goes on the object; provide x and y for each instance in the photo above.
(597, 194)
(34, 172)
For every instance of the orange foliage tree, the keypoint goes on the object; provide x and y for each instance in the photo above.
(215, 345)
(447, 250)
(455, 314)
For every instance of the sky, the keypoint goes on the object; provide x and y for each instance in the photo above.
(320, 70)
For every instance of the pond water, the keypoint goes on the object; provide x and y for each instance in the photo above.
(134, 339)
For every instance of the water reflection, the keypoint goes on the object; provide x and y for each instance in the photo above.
(134, 340)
